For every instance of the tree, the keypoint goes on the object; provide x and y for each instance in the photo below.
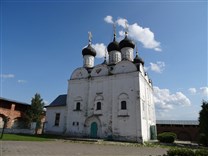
(35, 112)
(203, 123)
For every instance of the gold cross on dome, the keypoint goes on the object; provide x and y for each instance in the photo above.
(114, 28)
(90, 37)
(126, 28)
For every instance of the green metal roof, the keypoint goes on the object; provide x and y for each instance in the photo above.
(177, 122)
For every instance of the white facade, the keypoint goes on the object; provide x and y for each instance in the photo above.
(108, 101)
(51, 114)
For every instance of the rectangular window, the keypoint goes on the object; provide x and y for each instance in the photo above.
(78, 106)
(57, 119)
(98, 105)
(123, 105)
(75, 123)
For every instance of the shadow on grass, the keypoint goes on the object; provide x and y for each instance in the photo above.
(30, 137)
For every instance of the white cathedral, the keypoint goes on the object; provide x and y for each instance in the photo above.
(112, 100)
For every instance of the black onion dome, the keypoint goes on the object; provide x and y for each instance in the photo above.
(113, 46)
(138, 59)
(89, 50)
(126, 43)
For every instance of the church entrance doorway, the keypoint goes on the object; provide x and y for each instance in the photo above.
(93, 130)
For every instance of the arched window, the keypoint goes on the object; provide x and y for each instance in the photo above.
(98, 105)
(123, 101)
(123, 105)
(57, 119)
(78, 106)
(78, 103)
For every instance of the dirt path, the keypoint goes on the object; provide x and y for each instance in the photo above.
(67, 148)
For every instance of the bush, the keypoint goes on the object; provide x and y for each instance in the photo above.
(201, 152)
(203, 139)
(166, 137)
(180, 152)
(186, 152)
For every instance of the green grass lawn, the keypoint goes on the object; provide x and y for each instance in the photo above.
(24, 137)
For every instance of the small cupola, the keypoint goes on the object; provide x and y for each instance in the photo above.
(89, 50)
(89, 54)
(114, 50)
(126, 42)
(127, 48)
(138, 59)
(113, 45)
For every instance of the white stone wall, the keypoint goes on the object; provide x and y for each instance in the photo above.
(124, 67)
(125, 83)
(80, 73)
(76, 93)
(50, 119)
(147, 106)
(126, 123)
(108, 85)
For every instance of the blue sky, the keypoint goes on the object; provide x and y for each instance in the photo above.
(42, 41)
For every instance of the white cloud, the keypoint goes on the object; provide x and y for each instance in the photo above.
(192, 90)
(100, 49)
(21, 81)
(137, 33)
(46, 102)
(165, 101)
(204, 90)
(157, 49)
(145, 36)
(7, 76)
(122, 22)
(146, 68)
(157, 67)
(109, 19)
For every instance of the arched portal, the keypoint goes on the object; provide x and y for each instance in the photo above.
(19, 123)
(93, 130)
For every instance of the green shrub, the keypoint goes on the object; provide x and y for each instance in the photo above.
(201, 152)
(180, 152)
(166, 137)
(203, 139)
(186, 152)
